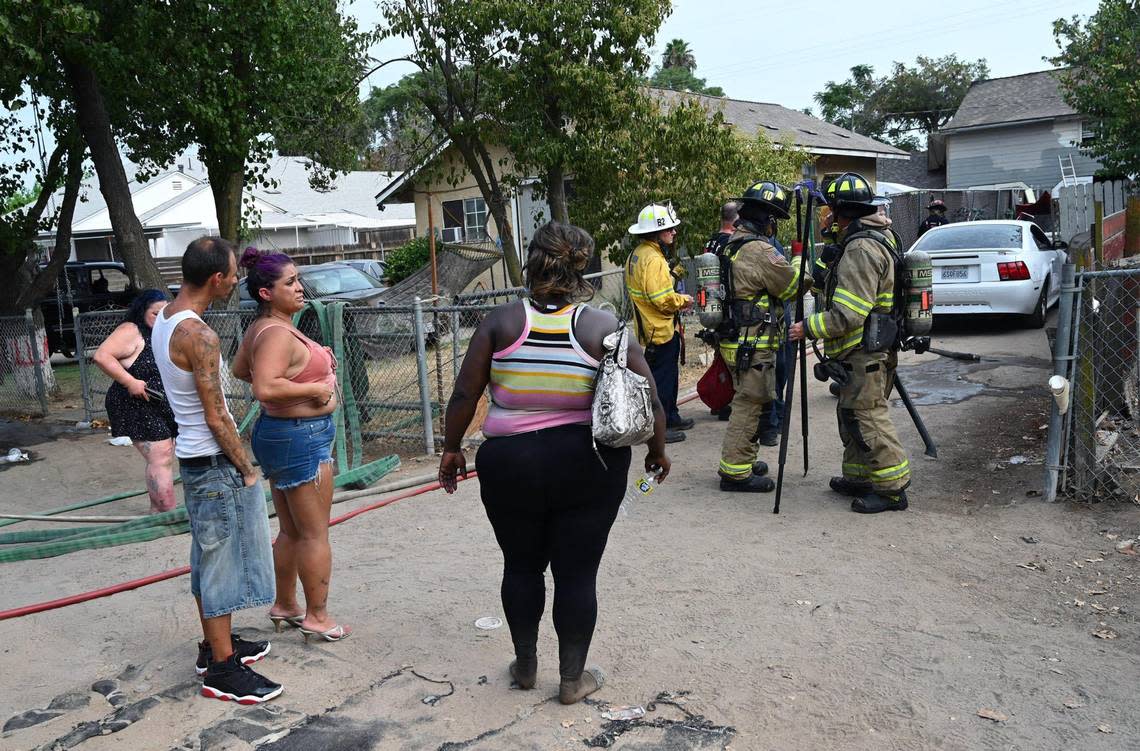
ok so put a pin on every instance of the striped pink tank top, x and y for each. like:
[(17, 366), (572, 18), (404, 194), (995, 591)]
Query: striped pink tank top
[(544, 379)]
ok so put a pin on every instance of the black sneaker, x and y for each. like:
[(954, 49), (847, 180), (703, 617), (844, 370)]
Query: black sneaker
[(673, 436), (248, 652), (683, 423), (845, 486), (229, 680), (873, 503)]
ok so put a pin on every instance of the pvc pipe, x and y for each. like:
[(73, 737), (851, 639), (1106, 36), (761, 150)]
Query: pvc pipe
[(1061, 359)]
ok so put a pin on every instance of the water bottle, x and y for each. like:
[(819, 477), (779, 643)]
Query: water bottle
[(641, 487)]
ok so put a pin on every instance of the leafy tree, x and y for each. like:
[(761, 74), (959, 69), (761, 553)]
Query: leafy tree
[(241, 79), (850, 104), (680, 153), (20, 198), (678, 55), (1102, 80), (400, 129), (64, 67), (682, 79), (678, 71), (534, 78), (891, 108), (926, 96)]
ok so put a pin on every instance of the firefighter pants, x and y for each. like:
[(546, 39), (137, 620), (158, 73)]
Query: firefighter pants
[(755, 388), (871, 448)]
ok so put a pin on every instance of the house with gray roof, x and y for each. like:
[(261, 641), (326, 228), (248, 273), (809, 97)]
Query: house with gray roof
[(1015, 130)]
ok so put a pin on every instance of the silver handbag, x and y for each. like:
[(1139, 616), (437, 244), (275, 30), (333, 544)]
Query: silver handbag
[(622, 412)]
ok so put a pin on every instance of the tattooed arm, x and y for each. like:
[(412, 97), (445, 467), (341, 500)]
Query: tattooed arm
[(198, 346)]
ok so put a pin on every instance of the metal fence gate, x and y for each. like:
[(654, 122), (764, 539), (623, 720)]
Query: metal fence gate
[(1095, 444)]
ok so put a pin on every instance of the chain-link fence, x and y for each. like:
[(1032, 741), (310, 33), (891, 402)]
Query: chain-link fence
[(24, 379), (908, 210), (93, 328), (1101, 453)]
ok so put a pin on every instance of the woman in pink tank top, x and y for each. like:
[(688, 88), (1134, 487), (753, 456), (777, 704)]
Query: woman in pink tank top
[(294, 379)]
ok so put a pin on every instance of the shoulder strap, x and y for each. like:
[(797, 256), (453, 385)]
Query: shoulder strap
[(265, 328)]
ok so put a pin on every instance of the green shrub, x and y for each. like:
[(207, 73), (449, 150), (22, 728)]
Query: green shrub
[(407, 259)]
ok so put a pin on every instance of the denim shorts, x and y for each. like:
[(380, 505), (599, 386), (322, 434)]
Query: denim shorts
[(231, 553), (291, 450)]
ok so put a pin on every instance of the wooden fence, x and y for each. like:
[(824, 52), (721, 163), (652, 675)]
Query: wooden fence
[(1075, 205)]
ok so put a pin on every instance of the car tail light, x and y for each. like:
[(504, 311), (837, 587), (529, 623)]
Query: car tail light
[(1013, 272)]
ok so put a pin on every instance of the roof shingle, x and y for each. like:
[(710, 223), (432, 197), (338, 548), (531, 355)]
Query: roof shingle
[(1013, 99)]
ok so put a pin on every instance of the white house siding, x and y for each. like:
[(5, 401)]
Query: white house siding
[(1018, 153)]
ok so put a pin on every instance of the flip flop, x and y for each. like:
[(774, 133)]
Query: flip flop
[(336, 633)]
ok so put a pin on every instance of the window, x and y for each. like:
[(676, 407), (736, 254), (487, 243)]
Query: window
[(465, 219), (969, 236), (1088, 133)]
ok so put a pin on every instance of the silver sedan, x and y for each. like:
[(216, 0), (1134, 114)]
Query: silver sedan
[(1001, 266)]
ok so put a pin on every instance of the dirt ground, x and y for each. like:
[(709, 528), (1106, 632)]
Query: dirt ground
[(733, 627)]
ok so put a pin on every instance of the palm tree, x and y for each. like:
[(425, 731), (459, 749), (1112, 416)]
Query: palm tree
[(678, 55)]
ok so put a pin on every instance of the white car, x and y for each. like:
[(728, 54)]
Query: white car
[(1000, 266)]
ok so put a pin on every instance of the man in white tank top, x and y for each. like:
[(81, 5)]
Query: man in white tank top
[(231, 558)]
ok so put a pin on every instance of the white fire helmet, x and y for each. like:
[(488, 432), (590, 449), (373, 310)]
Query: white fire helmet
[(654, 218)]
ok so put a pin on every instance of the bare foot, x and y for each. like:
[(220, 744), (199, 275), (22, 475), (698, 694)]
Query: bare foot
[(524, 672), (572, 692)]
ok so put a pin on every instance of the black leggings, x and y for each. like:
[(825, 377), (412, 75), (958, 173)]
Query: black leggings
[(550, 501)]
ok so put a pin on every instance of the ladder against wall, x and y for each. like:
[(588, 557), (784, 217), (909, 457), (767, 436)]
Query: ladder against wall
[(1068, 171)]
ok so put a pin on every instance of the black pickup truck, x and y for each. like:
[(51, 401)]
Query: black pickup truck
[(86, 286)]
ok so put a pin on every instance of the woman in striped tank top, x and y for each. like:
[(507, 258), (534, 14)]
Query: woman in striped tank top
[(548, 497)]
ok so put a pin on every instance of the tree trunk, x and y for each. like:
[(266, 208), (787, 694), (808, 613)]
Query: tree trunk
[(95, 125), (481, 166), (227, 184), (556, 194), (42, 282)]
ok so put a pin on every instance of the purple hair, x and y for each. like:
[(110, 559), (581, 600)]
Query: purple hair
[(262, 270)]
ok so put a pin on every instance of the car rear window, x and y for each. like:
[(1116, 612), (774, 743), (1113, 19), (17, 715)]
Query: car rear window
[(338, 279), (971, 237)]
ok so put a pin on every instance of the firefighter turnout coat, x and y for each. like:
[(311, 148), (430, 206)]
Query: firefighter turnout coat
[(861, 282), (650, 285), (764, 277)]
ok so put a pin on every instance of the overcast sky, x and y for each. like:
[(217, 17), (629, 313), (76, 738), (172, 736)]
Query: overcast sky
[(784, 52)]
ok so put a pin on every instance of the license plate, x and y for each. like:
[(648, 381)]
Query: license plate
[(955, 272)]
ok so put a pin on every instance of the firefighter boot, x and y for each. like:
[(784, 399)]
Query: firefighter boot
[(760, 468), (754, 484), (873, 503), (845, 486)]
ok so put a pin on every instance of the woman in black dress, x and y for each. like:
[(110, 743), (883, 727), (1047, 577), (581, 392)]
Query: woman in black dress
[(135, 404)]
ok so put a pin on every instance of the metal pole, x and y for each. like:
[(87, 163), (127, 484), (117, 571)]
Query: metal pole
[(81, 356), (431, 247), (1061, 359), (455, 346), (41, 388), (421, 367)]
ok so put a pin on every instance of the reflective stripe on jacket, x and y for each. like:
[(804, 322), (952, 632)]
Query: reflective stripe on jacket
[(862, 282), (650, 287), (759, 273)]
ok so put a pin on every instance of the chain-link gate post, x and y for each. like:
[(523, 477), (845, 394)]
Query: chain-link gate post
[(454, 348), (37, 363), (422, 370), (1061, 358), (81, 357)]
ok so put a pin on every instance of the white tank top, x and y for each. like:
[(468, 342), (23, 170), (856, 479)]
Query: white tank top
[(194, 436)]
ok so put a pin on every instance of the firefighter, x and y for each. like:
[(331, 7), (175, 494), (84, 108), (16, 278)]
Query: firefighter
[(761, 280), (861, 283), (936, 217), (657, 307)]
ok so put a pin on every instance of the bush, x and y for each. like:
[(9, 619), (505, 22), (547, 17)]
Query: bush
[(407, 259)]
